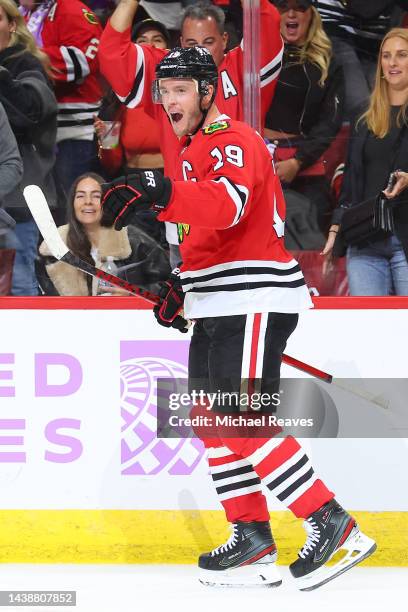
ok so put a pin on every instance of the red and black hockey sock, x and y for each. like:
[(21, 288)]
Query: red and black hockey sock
[(286, 470), (237, 485)]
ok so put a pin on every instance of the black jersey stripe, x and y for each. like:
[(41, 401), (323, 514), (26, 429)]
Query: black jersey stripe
[(294, 468), (292, 488), (245, 469), (243, 286), (74, 110), (270, 72), (240, 199), (78, 74), (136, 85), (240, 271)]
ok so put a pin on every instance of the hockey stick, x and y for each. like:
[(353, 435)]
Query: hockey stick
[(39, 208), (337, 382)]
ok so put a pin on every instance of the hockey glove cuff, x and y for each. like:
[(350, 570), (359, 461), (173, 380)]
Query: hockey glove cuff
[(168, 313), (126, 196)]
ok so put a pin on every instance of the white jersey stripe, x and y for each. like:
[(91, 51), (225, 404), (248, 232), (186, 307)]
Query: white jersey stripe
[(284, 466), (263, 451), (238, 492), (261, 346), (244, 301), (246, 352), (69, 64), (238, 194), (219, 452), (75, 116), (300, 491), (271, 71), (225, 467), (78, 105), (139, 76)]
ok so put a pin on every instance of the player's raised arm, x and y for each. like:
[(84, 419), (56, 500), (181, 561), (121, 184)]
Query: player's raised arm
[(271, 52), (128, 67), (124, 14)]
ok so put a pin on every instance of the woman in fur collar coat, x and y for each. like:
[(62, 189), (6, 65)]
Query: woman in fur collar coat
[(138, 258)]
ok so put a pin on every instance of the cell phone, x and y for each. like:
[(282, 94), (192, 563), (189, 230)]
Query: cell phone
[(391, 181)]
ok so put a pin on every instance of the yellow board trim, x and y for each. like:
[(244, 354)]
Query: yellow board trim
[(165, 536)]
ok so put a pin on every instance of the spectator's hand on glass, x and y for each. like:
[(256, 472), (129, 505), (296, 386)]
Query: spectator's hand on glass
[(401, 183), (328, 249), (287, 170)]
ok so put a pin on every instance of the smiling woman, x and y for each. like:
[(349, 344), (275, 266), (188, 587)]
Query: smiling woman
[(137, 257), (377, 263)]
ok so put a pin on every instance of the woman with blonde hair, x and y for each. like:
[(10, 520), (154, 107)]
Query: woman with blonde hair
[(377, 263), (306, 112), (19, 34), (30, 104)]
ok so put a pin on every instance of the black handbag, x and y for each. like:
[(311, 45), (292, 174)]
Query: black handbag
[(367, 222)]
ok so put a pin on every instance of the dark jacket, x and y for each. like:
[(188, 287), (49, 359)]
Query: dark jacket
[(31, 108), (352, 191), (139, 259), (363, 23), (11, 167), (368, 9), (319, 117)]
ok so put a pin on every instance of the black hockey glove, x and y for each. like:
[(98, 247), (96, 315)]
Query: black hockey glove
[(124, 197), (167, 314)]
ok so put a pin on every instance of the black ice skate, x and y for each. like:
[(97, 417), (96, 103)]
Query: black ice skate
[(330, 529), (246, 559)]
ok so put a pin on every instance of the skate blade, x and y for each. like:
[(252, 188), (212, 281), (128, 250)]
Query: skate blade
[(359, 547), (254, 575)]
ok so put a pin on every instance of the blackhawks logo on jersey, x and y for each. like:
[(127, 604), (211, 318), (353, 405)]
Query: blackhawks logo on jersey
[(90, 17), (183, 229), (216, 127)]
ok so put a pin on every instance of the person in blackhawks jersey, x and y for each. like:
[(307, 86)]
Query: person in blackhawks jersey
[(244, 291), (129, 68), (69, 32)]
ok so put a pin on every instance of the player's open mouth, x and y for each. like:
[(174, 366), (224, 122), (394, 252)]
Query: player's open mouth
[(176, 117)]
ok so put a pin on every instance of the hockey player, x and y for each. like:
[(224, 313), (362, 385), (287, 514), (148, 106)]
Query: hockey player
[(244, 290), (129, 68)]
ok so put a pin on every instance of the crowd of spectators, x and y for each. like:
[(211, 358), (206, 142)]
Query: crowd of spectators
[(76, 110)]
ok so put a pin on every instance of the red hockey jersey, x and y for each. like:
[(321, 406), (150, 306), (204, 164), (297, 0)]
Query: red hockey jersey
[(229, 205), (130, 69), (70, 35)]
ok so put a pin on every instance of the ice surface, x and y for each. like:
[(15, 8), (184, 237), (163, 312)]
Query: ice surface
[(151, 588)]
